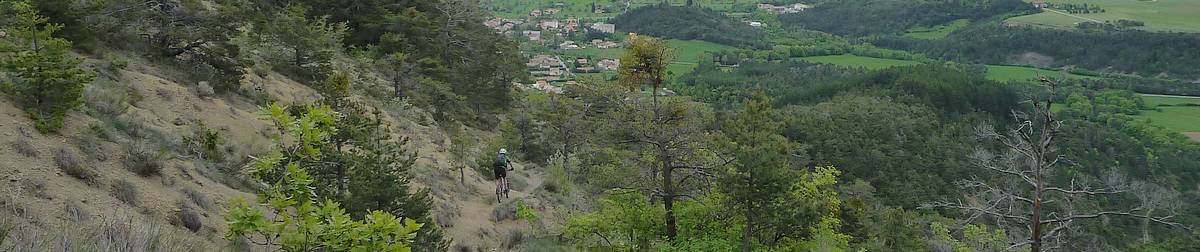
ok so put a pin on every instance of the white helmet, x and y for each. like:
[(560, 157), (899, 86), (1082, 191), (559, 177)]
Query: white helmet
[(503, 151)]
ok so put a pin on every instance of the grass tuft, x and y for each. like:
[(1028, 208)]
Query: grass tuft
[(71, 164), (143, 159), (26, 148), (125, 191)]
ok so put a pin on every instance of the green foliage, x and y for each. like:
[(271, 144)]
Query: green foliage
[(689, 23), (46, 79), (299, 222), (205, 143), (865, 17), (644, 64), (528, 214), (309, 43), (975, 238)]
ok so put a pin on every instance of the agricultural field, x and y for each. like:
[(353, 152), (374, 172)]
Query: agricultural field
[(1159, 15), (687, 53), (1177, 113), (937, 32)]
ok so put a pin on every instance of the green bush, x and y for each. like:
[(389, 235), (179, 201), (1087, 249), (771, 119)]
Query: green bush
[(46, 79), (125, 191)]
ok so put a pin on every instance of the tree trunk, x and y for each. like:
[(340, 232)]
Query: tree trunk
[(748, 233), (1146, 226), (668, 196)]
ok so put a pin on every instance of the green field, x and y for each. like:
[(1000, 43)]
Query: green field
[(1171, 114), (1159, 15), (687, 53), (937, 32), (998, 73), (859, 61)]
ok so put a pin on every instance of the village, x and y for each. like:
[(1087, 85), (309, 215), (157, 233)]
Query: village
[(548, 40)]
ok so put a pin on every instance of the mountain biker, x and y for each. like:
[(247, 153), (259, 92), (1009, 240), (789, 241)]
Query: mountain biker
[(500, 168)]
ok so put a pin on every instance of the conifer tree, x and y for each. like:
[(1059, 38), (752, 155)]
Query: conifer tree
[(46, 79)]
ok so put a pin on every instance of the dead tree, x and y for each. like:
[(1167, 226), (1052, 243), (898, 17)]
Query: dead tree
[(1022, 197)]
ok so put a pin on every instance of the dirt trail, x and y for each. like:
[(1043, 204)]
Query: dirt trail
[(474, 225)]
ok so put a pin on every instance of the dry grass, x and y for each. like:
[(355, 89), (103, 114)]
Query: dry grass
[(108, 98), (143, 159), (124, 232), (71, 164), (125, 191), (24, 147), (75, 211), (197, 197)]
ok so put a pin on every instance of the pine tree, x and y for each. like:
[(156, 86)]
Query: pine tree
[(760, 175), (46, 79)]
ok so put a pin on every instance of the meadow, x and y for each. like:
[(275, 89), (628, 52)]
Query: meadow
[(1173, 112), (686, 53), (937, 32), (998, 73), (1159, 15)]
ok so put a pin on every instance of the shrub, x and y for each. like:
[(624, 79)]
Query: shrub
[(204, 143), (197, 197), (204, 90), (189, 218), (92, 146), (71, 164), (26, 149), (75, 211), (143, 159), (107, 98), (125, 191)]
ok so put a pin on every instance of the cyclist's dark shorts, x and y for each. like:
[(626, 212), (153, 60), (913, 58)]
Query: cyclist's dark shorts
[(499, 172)]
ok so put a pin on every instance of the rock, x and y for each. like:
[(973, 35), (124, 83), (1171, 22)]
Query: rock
[(179, 121)]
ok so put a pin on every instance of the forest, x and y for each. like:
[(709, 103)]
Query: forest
[(1120, 51), (868, 17), (691, 23)]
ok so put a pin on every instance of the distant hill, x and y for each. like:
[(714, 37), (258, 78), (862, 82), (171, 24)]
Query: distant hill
[(691, 23)]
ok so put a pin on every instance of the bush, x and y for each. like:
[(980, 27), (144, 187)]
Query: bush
[(108, 98), (125, 191), (141, 158), (92, 146), (189, 218), (204, 90), (75, 211), (71, 164), (26, 149), (197, 197)]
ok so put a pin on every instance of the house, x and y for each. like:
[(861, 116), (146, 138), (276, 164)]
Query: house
[(533, 35), (569, 45), (755, 24), (549, 24), (795, 8), (585, 69), (605, 28), (551, 11), (608, 64), (581, 61), (602, 44), (535, 13), (542, 61)]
